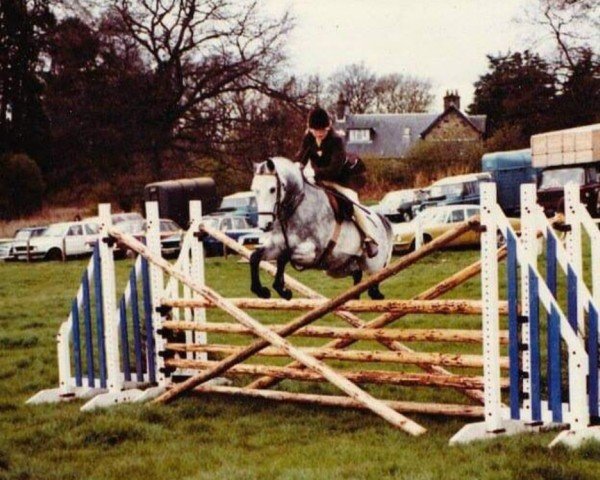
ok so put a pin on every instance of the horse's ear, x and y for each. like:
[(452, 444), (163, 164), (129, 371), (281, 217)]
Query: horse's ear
[(257, 168), (270, 165)]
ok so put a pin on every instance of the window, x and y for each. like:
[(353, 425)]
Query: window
[(91, 228), (457, 216), (362, 135), (168, 226), (560, 177), (75, 230), (472, 211), (226, 224), (239, 223)]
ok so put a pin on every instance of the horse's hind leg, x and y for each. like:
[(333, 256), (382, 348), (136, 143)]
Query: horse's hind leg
[(279, 283), (357, 276), (375, 293), (255, 286)]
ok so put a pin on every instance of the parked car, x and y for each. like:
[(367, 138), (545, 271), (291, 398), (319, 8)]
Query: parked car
[(434, 222), (118, 218), (240, 204), (59, 240), (170, 236), (456, 190), (399, 205), (252, 240), (233, 227), (22, 234)]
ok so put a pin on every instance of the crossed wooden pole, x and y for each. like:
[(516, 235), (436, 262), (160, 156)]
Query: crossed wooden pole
[(277, 338)]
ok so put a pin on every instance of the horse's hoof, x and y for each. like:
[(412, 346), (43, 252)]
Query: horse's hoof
[(286, 294), (262, 292), (376, 295), (283, 292)]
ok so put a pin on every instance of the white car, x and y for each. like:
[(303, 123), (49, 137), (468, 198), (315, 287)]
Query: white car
[(22, 234), (59, 240), (398, 205)]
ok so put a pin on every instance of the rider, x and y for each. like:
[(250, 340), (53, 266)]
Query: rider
[(327, 155)]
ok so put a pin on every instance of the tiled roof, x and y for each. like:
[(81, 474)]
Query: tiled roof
[(389, 139)]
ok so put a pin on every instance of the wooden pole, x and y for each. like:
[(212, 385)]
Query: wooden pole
[(267, 337), (434, 292), (446, 409), (415, 358), (301, 321), (378, 377), (436, 307), (406, 335)]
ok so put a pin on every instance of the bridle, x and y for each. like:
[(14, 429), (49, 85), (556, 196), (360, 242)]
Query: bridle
[(283, 210)]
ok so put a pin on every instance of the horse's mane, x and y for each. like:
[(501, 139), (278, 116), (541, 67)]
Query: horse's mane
[(287, 171)]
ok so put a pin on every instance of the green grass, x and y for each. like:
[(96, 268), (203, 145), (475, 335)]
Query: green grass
[(215, 437)]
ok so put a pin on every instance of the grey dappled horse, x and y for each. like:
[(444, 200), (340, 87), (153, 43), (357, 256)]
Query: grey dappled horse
[(300, 226)]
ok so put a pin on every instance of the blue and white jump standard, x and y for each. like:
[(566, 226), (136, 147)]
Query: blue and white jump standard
[(114, 341), (532, 408)]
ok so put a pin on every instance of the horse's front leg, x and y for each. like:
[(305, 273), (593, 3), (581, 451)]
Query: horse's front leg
[(357, 276), (375, 293), (255, 286), (279, 283)]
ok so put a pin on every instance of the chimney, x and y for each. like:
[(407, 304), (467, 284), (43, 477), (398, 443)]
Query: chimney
[(341, 109), (452, 98)]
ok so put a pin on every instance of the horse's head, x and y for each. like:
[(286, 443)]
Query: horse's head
[(277, 183)]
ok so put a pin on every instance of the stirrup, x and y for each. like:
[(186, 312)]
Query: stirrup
[(371, 248)]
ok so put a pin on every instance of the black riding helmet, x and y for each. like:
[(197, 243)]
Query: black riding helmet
[(318, 118)]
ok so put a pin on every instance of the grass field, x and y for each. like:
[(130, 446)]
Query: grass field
[(213, 437)]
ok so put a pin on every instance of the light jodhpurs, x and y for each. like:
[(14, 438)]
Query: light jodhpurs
[(360, 216)]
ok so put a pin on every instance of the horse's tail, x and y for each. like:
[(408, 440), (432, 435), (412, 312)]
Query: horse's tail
[(390, 237)]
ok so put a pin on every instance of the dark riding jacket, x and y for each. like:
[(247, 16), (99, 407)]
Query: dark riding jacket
[(330, 161)]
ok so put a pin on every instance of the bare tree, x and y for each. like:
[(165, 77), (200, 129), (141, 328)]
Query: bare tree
[(199, 52), (395, 93), (574, 26), (357, 83)]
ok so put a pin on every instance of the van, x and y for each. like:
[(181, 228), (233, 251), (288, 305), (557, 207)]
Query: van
[(553, 180), (510, 170), (568, 156)]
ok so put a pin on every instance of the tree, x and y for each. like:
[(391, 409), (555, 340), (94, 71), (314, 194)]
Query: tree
[(23, 25), (396, 93), (579, 101), (21, 186), (574, 27), (96, 100), (429, 161), (357, 83), (507, 137), (365, 92), (199, 52), (519, 90)]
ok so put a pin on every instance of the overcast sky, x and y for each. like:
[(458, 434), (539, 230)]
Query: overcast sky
[(445, 41)]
